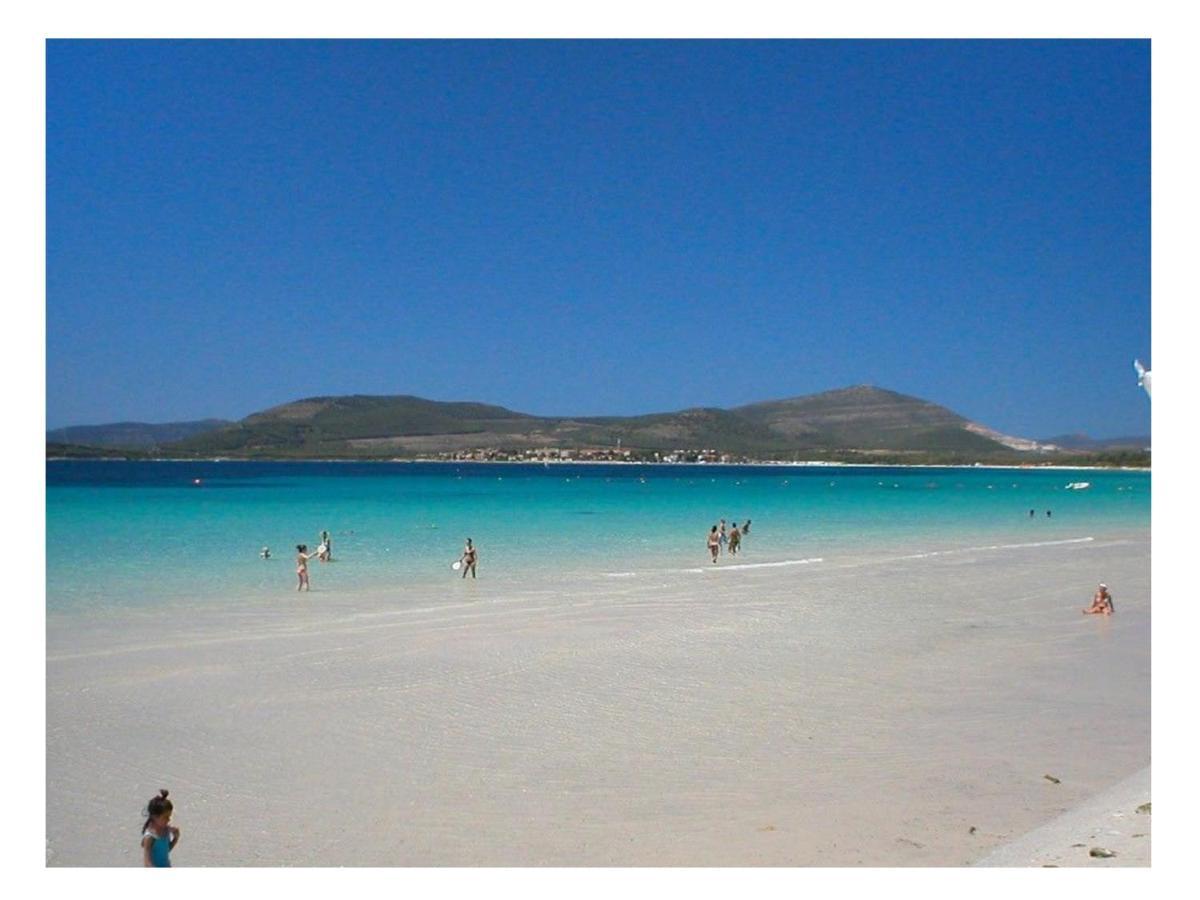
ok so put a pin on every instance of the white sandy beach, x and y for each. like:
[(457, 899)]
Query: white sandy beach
[(873, 710), (1110, 829)]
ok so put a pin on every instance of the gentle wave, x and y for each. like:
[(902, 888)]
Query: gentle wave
[(819, 559), (1082, 540), (766, 565)]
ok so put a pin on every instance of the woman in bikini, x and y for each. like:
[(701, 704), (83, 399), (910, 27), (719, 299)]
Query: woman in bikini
[(469, 558), (1102, 602), (302, 558)]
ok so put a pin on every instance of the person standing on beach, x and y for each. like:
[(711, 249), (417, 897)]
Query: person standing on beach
[(159, 836), (302, 558), (724, 538), (468, 559), (714, 543), (735, 539)]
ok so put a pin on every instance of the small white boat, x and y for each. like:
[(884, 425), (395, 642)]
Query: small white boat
[(1079, 485)]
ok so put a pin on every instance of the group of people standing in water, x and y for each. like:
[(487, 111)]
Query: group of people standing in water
[(722, 540), (324, 553)]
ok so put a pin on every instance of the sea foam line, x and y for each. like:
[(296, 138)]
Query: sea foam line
[(766, 565), (888, 559), (1082, 540)]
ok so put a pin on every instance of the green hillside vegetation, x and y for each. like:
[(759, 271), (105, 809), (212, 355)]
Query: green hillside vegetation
[(857, 424), (851, 419), (717, 429), (57, 450), (131, 435), (354, 426), (868, 418)]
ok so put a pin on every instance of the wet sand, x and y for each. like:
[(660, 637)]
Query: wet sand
[(886, 710)]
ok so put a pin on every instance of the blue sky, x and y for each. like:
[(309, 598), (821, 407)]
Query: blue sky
[(594, 227)]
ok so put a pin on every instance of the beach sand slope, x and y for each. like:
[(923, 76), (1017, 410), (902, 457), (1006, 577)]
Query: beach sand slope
[(870, 709), (1115, 822)]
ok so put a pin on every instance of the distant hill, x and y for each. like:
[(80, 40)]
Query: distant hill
[(132, 435), (861, 423), (868, 418), (860, 419), (364, 426)]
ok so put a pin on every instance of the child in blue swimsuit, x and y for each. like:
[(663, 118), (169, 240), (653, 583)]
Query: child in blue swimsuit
[(159, 837)]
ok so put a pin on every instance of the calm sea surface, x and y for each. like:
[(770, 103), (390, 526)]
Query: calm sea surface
[(135, 534)]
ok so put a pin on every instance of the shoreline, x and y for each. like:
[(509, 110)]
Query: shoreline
[(590, 462), (349, 586)]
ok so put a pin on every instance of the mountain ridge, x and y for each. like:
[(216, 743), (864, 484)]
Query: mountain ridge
[(860, 419)]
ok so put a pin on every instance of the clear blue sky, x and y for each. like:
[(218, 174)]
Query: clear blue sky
[(593, 227)]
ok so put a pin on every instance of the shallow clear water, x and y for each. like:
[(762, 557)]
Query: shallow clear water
[(129, 534)]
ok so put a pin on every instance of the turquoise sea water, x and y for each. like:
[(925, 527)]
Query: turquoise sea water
[(132, 534)]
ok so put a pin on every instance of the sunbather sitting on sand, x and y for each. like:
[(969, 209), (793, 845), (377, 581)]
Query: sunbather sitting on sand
[(1102, 602)]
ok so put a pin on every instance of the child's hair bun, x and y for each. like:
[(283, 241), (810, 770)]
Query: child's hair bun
[(163, 793)]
